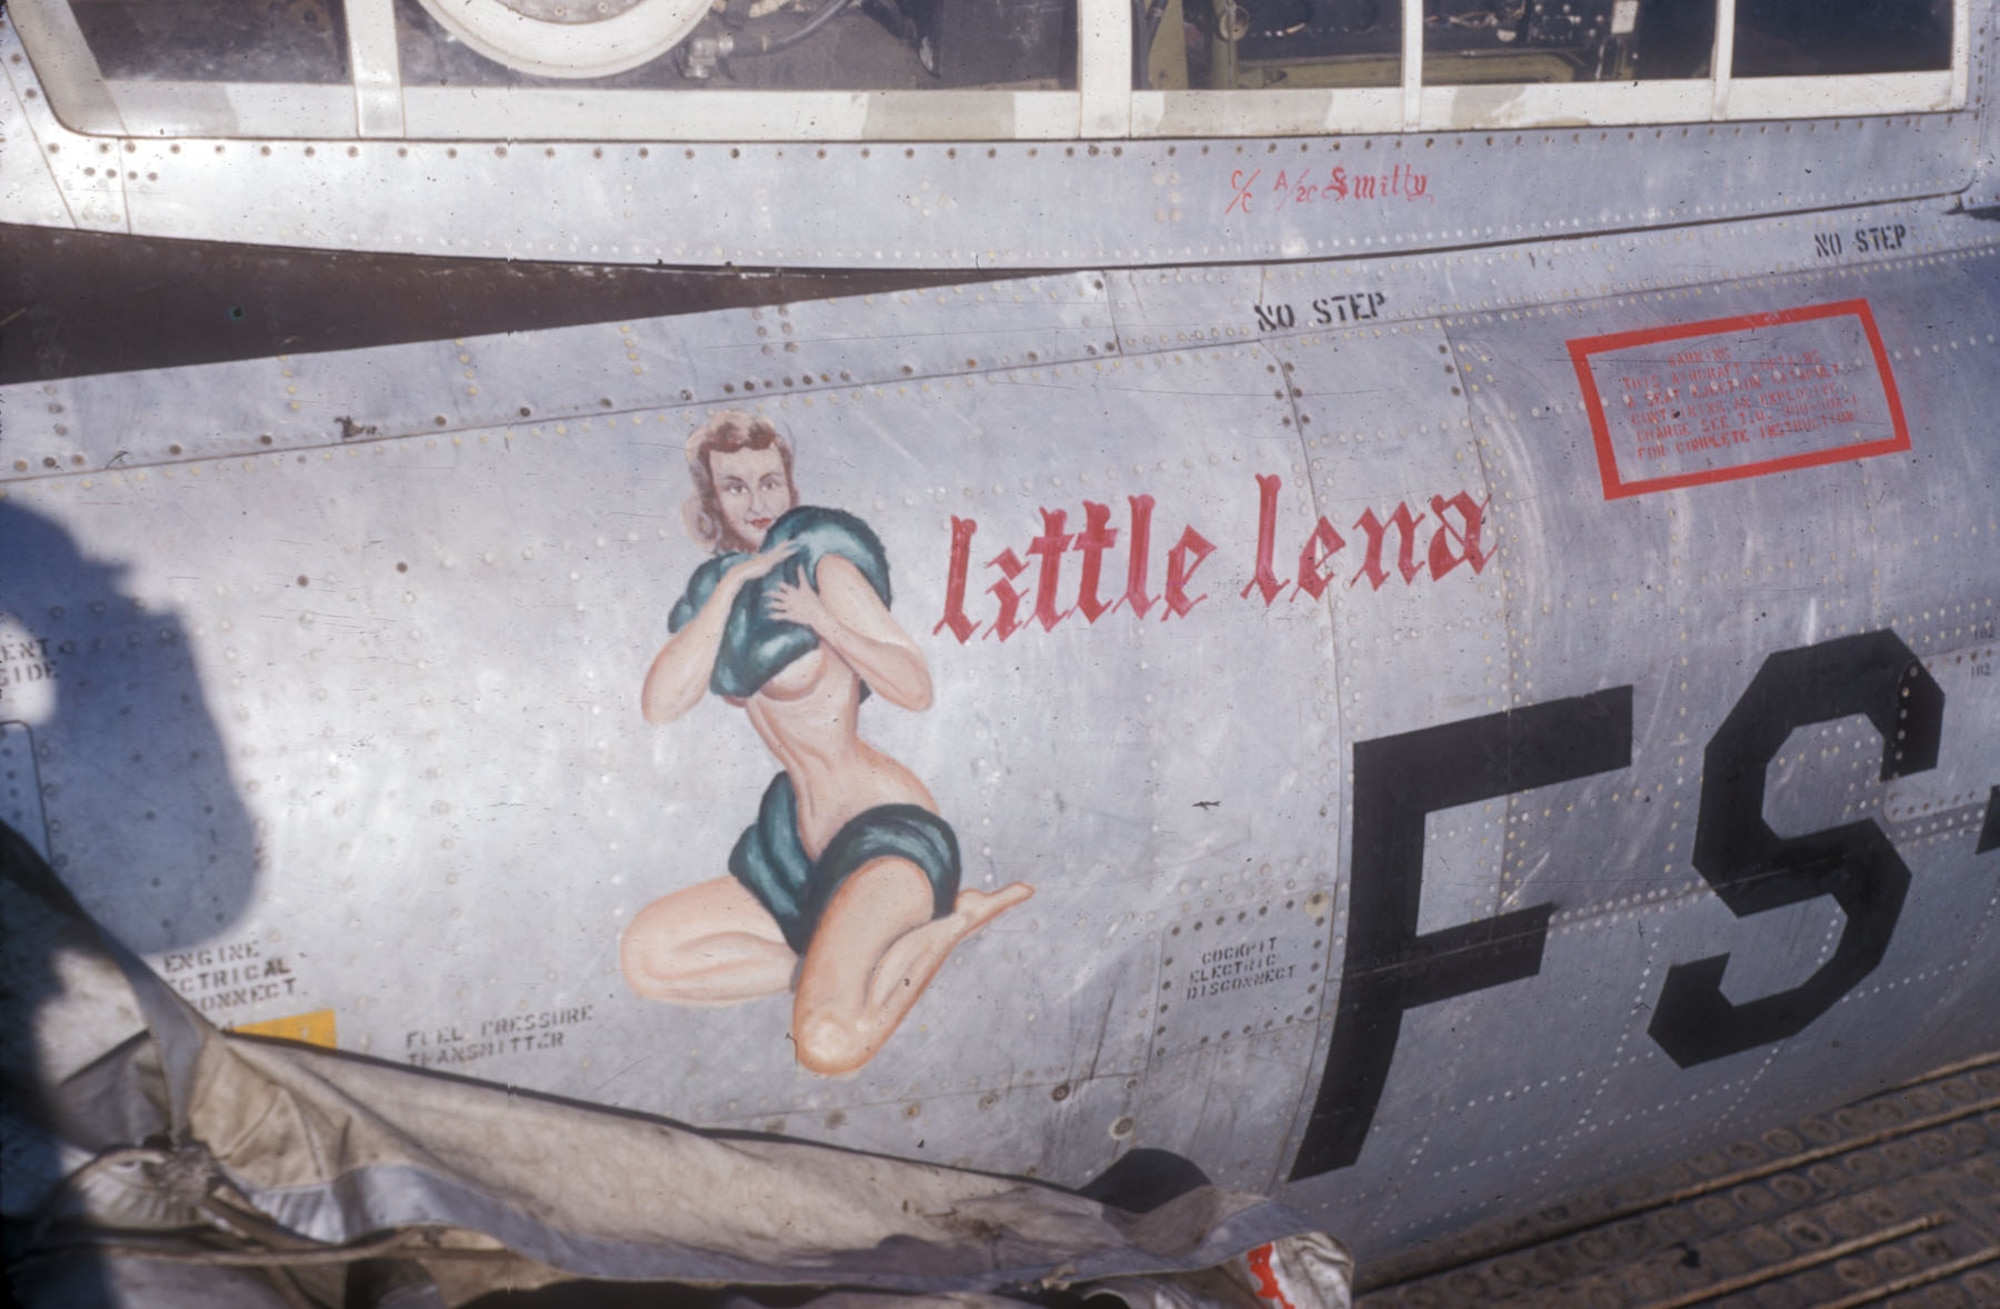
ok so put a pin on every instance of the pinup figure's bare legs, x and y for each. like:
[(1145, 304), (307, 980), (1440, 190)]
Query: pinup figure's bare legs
[(876, 949), (711, 943)]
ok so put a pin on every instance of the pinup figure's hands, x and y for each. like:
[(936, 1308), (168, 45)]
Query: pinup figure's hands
[(795, 602), (749, 569), (681, 671)]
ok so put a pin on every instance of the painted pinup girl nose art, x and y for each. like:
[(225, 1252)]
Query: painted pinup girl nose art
[(845, 890)]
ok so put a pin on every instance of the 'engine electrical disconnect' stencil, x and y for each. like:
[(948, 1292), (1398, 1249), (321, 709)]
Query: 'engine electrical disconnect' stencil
[(1738, 397)]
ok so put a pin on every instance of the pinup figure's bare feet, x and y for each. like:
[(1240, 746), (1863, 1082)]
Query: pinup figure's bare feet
[(876, 950), (979, 908)]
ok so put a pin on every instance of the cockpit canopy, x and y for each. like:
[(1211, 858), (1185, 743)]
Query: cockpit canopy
[(974, 70)]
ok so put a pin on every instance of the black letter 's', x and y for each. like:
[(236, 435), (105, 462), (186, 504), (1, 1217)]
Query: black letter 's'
[(1753, 869)]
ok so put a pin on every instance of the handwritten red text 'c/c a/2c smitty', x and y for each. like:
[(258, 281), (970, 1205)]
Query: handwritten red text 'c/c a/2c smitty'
[(1455, 525), (1252, 192)]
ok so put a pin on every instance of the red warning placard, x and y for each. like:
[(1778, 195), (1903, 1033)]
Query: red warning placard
[(1738, 397)]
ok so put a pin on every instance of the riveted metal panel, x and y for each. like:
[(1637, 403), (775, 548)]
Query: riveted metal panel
[(987, 205), (89, 172), (380, 686), (20, 782), (28, 190), (1806, 550)]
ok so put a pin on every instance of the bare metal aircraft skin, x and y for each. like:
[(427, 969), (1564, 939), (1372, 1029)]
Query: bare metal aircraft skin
[(1423, 758), (385, 149), (1494, 690)]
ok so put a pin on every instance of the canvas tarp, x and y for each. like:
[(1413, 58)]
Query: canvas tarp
[(136, 1128)]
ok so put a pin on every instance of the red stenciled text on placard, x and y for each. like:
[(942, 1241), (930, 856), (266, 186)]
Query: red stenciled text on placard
[(1707, 399)]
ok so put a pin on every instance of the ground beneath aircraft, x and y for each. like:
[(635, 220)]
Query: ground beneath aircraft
[(1893, 1200)]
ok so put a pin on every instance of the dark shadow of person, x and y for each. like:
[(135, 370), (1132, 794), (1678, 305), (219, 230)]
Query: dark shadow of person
[(113, 772)]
